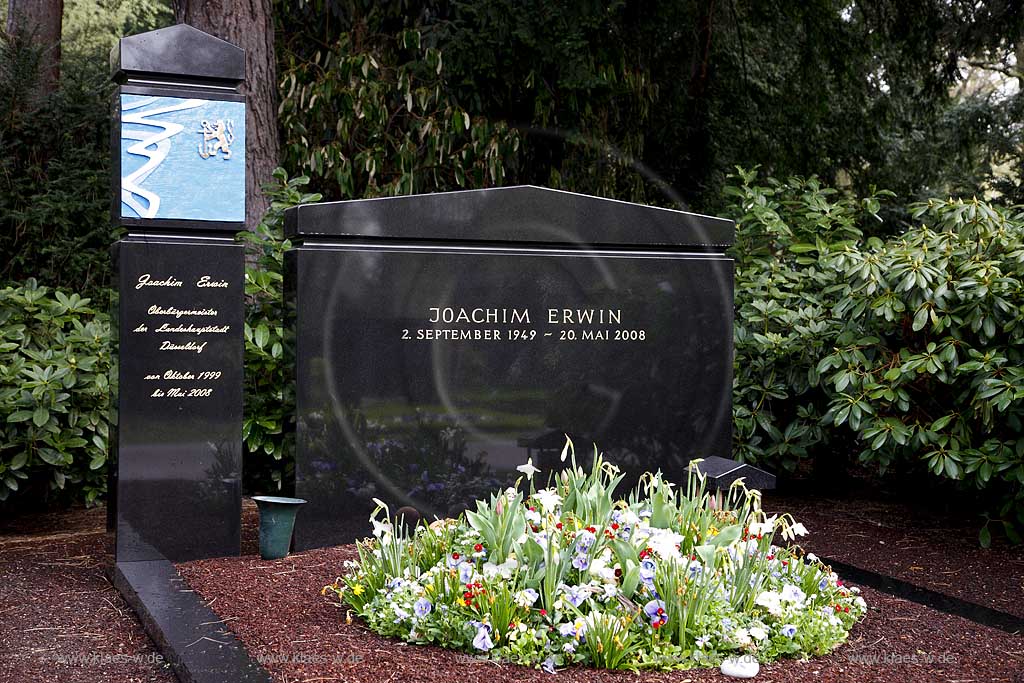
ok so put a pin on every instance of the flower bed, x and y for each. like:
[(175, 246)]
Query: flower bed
[(567, 574)]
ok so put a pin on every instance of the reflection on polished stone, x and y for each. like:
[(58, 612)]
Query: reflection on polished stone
[(430, 363)]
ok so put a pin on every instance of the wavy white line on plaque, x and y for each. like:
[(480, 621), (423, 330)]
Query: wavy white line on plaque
[(161, 148)]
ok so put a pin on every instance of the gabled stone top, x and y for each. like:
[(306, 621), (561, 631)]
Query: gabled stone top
[(519, 216), (179, 53), (722, 472)]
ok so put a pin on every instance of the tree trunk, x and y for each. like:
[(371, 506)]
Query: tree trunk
[(39, 21), (249, 25)]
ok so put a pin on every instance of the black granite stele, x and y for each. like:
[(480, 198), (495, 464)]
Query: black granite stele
[(180, 301), (175, 492), (441, 340), (179, 398)]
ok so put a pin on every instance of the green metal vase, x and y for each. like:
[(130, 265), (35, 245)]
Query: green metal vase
[(277, 521)]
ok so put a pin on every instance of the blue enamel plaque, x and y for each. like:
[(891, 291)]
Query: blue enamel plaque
[(182, 158)]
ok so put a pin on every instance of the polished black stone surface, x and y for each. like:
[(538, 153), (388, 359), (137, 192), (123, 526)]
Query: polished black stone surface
[(177, 51), (722, 472), (190, 636), (425, 373), (523, 215), (179, 349)]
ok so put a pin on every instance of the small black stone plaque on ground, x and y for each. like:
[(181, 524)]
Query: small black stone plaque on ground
[(441, 340), (722, 472), (179, 398)]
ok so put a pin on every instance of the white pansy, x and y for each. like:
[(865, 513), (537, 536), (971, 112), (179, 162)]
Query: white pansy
[(793, 594), (629, 518), (600, 568), (533, 517), (665, 543), (758, 633), (507, 568), (771, 601), (742, 636), (526, 598)]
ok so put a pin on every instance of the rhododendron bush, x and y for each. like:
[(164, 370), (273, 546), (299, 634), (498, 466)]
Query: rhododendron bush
[(669, 577)]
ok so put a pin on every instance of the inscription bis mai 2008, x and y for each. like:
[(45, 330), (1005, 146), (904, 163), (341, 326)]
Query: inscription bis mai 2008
[(523, 324), (181, 338)]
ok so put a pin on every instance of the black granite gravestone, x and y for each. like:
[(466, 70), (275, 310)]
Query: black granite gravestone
[(441, 340), (178, 146)]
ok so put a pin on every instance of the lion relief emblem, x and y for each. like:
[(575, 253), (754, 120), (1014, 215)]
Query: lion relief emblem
[(217, 138)]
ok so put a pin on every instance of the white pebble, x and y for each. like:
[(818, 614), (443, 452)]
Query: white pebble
[(740, 667)]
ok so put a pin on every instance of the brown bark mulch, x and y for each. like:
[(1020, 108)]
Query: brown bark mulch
[(904, 542), (61, 620), (56, 602), (276, 610)]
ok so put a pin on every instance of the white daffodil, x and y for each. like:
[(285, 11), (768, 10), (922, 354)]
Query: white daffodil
[(549, 500), (567, 448), (528, 469), (381, 530), (765, 527), (794, 530)]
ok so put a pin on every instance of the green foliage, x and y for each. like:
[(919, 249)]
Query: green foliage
[(927, 366), (268, 404), (54, 170), (784, 323), (657, 103), (910, 345), (54, 395), (373, 116), (54, 182), (576, 79)]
